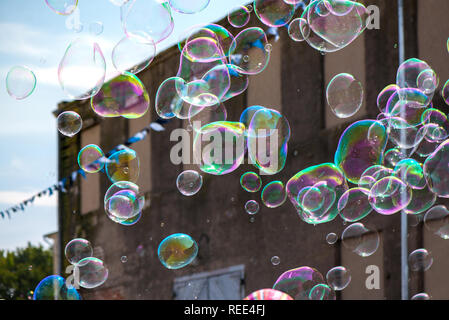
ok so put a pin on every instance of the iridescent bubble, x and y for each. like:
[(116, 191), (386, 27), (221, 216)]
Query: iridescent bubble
[(216, 157), (252, 207), (124, 259), (338, 278), (390, 195), (147, 20), (239, 17), (268, 135), (360, 239), (189, 7), (78, 249), (322, 292), (251, 181), (393, 156), (373, 174), (344, 95), (132, 55), (445, 92), (82, 70), (62, 7), (248, 51), (298, 282), (420, 260), (275, 260), (411, 172), (168, 103), (125, 96), (436, 170), (274, 194), (54, 288), (437, 221), (331, 238), (327, 22), (92, 272), (314, 192), (416, 73), (123, 165), (69, 123), (123, 202), (268, 294), (96, 28), (436, 123), (177, 251), (273, 13), (357, 151), (420, 296), (298, 29), (422, 200), (20, 82), (89, 158), (189, 182), (354, 205), (384, 96)]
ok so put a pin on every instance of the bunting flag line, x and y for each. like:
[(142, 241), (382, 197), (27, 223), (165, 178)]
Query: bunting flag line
[(61, 185)]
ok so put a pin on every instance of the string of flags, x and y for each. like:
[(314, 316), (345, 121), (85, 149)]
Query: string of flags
[(68, 181)]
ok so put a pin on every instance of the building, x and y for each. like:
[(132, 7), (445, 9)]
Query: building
[(234, 253)]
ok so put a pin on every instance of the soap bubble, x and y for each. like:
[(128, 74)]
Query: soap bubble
[(20, 82), (239, 17), (92, 272), (338, 278), (189, 182), (421, 296), (146, 20), (298, 282), (298, 29), (273, 194), (273, 13), (354, 205), (125, 96), (54, 288), (177, 251), (275, 260), (360, 239), (420, 260), (89, 158), (268, 294), (123, 165), (436, 220), (62, 7), (132, 55), (82, 70), (390, 195), (188, 7), (344, 95), (331, 238), (252, 207), (123, 202), (69, 123), (322, 292), (78, 249), (251, 181)]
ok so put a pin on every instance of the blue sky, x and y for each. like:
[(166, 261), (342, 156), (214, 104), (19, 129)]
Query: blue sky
[(35, 36)]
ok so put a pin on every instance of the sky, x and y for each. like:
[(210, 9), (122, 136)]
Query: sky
[(33, 35)]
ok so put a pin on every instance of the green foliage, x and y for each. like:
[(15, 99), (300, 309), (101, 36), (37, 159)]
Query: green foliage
[(22, 270)]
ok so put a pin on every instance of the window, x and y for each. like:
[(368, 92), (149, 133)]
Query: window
[(223, 284)]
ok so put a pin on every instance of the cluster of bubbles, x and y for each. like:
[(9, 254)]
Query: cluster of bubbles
[(396, 162), (89, 272)]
